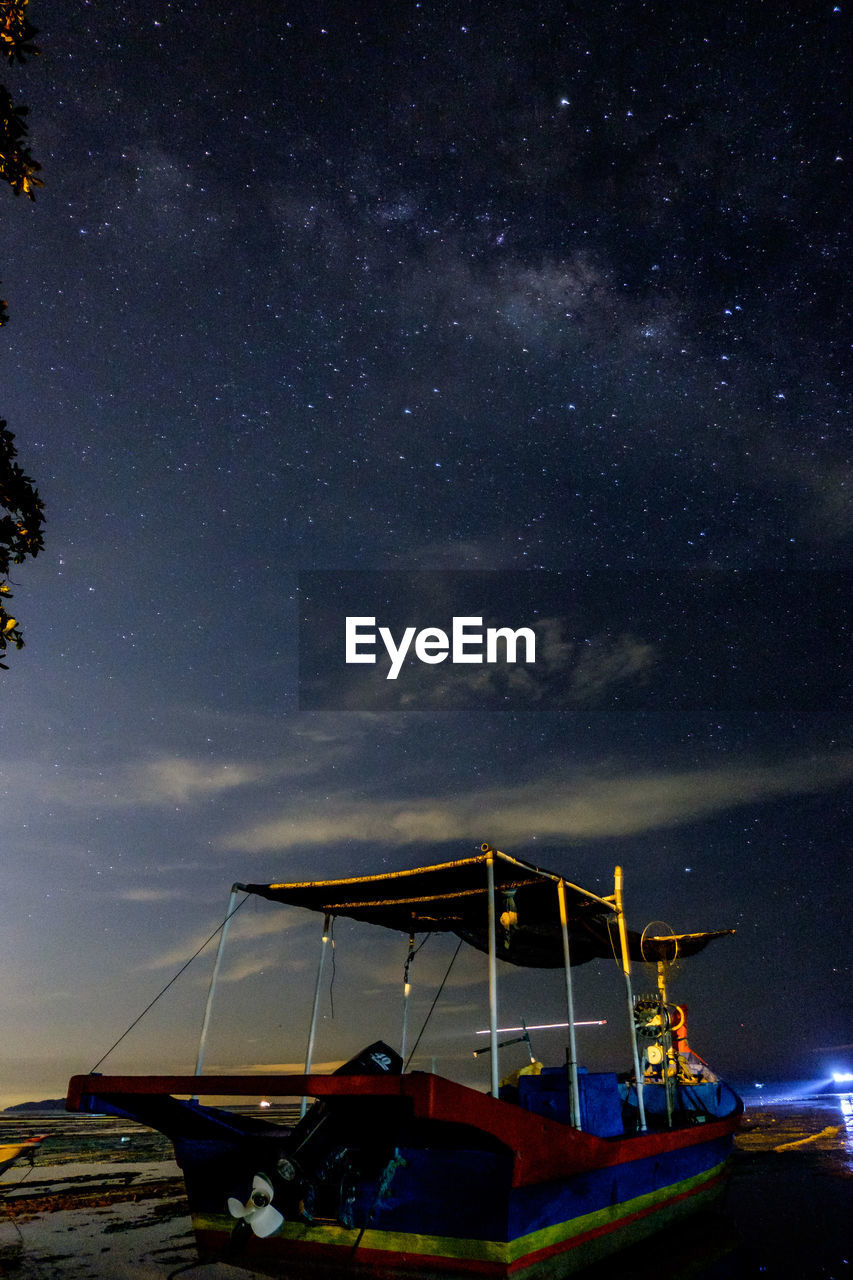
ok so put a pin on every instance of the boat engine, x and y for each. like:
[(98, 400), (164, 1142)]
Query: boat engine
[(337, 1140)]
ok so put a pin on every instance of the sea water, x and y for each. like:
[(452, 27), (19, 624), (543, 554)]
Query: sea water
[(787, 1211)]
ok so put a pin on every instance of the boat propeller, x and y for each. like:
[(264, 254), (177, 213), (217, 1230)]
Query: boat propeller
[(258, 1212)]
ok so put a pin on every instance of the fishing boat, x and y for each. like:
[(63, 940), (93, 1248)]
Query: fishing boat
[(403, 1174), (12, 1151)]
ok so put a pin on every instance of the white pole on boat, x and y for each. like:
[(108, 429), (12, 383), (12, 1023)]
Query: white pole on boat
[(407, 987), (670, 1062), (626, 969), (309, 1053), (493, 973), (570, 1007), (208, 1008)]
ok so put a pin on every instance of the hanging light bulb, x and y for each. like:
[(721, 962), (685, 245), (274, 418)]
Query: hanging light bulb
[(509, 915)]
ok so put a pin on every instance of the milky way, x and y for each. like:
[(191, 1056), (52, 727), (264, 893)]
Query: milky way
[(539, 288)]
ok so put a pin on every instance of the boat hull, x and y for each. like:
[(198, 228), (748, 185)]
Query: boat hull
[(416, 1176), (567, 1245)]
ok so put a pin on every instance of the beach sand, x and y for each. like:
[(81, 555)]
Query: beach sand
[(125, 1221), (103, 1200)]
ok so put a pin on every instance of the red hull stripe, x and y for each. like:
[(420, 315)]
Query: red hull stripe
[(543, 1149)]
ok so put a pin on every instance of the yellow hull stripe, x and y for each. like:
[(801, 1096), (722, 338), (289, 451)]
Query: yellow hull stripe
[(497, 1251)]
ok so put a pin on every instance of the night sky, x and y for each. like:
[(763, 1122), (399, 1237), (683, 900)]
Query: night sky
[(427, 288)]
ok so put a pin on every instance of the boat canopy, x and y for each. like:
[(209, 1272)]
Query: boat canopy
[(452, 897)]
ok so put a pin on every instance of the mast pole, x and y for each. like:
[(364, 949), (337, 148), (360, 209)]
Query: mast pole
[(407, 987), (626, 969), (570, 1008), (309, 1053), (208, 1008), (493, 974)]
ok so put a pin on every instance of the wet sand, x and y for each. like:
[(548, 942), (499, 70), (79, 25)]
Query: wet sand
[(104, 1200)]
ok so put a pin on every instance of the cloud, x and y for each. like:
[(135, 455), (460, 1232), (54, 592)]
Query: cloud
[(610, 661), (167, 779), (149, 895), (829, 515), (180, 779), (568, 673), (243, 929), (586, 808)]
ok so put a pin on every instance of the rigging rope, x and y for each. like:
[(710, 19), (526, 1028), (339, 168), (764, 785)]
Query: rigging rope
[(434, 1003), (334, 970), (170, 983)]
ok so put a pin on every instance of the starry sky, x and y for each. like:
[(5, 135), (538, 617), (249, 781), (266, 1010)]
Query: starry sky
[(523, 294)]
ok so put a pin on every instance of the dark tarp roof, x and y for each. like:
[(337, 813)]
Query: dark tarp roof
[(452, 897)]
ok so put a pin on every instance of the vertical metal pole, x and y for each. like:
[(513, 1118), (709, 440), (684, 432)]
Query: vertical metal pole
[(626, 969), (407, 987), (669, 1062), (309, 1053), (202, 1042), (493, 974), (570, 1007)]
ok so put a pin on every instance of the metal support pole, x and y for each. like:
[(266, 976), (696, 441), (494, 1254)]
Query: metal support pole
[(670, 1060), (626, 969), (493, 974), (407, 987), (570, 1009), (309, 1053), (202, 1042)]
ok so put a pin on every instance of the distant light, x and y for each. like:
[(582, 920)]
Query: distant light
[(264, 1103), (842, 1077)]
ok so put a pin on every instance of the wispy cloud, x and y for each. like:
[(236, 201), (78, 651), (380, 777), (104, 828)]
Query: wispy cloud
[(181, 779), (149, 895), (168, 779), (586, 807), (243, 929), (567, 674)]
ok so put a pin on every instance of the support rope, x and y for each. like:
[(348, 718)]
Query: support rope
[(334, 970), (432, 1006), (170, 983)]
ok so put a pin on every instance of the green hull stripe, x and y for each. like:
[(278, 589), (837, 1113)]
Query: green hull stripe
[(546, 1239)]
